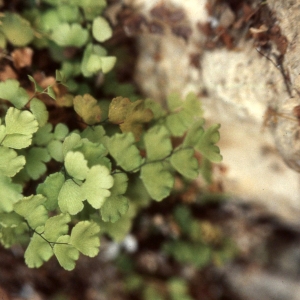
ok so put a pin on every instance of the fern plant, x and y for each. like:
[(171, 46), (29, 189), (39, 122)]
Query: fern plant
[(105, 171)]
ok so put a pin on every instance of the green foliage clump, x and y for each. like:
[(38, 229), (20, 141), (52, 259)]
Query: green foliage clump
[(199, 242), (188, 243), (59, 26), (92, 180), (175, 288)]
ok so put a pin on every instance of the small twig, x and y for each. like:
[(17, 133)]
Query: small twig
[(278, 65), (51, 244)]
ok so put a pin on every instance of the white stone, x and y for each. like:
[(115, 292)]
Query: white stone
[(241, 84)]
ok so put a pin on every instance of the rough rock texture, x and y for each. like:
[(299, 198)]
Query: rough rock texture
[(240, 85)]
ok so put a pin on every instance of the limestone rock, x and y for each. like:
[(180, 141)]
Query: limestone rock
[(240, 85)]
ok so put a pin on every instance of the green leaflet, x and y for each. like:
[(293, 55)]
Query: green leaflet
[(55, 146), (118, 230), (70, 142), (70, 198), (155, 107), (55, 149), (70, 35), (76, 165), (50, 188), (22, 177), (137, 193), (20, 126), (68, 13), (158, 143), (37, 88), (95, 188), (33, 210), (91, 8), (43, 136), (60, 131), (35, 162), (101, 29), (10, 193), (123, 149), (116, 205), (85, 238), (94, 63), (10, 162), (95, 59), (10, 90), (88, 109), (60, 76), (3, 42), (50, 92), (204, 141), (193, 106), (38, 251), (39, 110), (2, 131), (194, 134), (120, 184), (178, 288), (206, 144), (178, 122), (13, 235), (184, 113), (206, 169), (94, 153), (10, 220), (108, 62), (66, 254), (56, 226), (94, 134), (46, 22), (185, 163), (16, 29), (54, 231), (174, 101), (157, 179)]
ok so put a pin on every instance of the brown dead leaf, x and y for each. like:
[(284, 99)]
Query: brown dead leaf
[(42, 80), (3, 294), (87, 108), (118, 109), (129, 115), (136, 116), (65, 100), (22, 57), (7, 73)]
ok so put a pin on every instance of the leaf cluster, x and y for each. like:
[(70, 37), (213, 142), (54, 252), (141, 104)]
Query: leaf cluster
[(104, 173), (59, 26), (174, 288), (198, 243)]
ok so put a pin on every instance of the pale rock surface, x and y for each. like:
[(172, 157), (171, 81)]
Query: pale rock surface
[(240, 85)]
